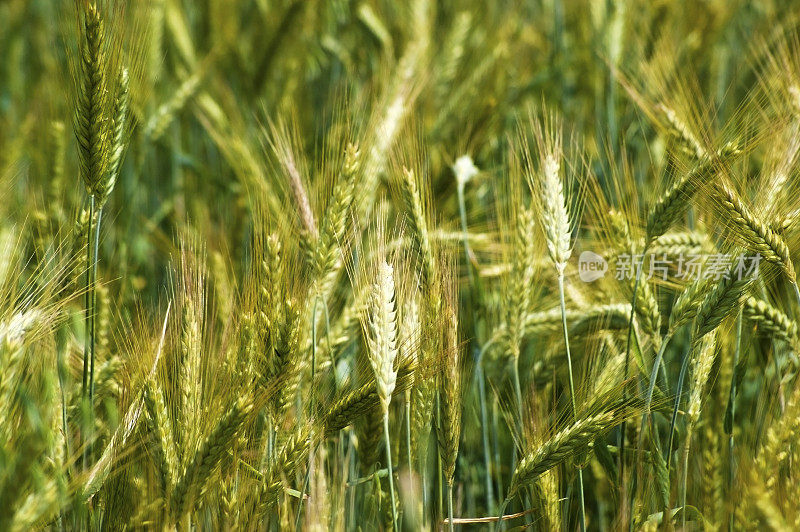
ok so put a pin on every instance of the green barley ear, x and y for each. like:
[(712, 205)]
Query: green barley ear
[(753, 233), (674, 201), (685, 307), (687, 140), (725, 298), (293, 454), (564, 445), (419, 226), (383, 334), (90, 122), (702, 364), (359, 402), (448, 430), (772, 321), (163, 116), (194, 477), (646, 303), (119, 123), (680, 243), (326, 261)]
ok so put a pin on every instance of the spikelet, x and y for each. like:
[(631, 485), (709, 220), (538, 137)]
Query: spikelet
[(293, 454), (685, 307), (646, 303), (117, 144), (675, 200), (610, 317), (448, 430), (681, 243), (212, 450), (419, 226), (326, 260), (163, 116), (548, 190), (702, 362), (383, 334), (91, 127), (357, 403), (518, 293), (725, 298), (678, 128), (754, 234), (772, 321), (565, 444), (160, 444)]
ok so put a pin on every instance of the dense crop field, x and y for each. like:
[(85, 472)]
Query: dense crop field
[(414, 265)]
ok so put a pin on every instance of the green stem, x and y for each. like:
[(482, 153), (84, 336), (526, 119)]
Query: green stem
[(463, 214), (496, 446), (87, 298), (623, 425), (450, 505), (652, 385), (389, 464), (687, 443), (88, 344), (571, 388), (732, 399), (94, 304), (311, 405), (408, 430), (518, 400), (502, 512), (676, 406), (487, 459)]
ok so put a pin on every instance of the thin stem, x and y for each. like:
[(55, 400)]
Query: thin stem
[(571, 386), (623, 425), (87, 298), (676, 406), (500, 515), (518, 400), (389, 464), (87, 345), (463, 214), (408, 430), (487, 459), (686, 445), (311, 405), (732, 399), (450, 505), (94, 303), (496, 447), (652, 385)]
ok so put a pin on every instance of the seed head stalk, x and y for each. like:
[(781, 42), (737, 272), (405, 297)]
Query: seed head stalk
[(732, 399), (391, 471), (571, 386), (623, 426)]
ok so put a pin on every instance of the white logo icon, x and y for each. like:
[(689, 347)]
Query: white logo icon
[(591, 266)]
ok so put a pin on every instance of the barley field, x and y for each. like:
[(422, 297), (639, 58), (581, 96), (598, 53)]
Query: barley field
[(360, 265)]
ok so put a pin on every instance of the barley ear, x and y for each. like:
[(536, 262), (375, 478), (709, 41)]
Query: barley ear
[(90, 121), (382, 339), (449, 427), (119, 123)]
